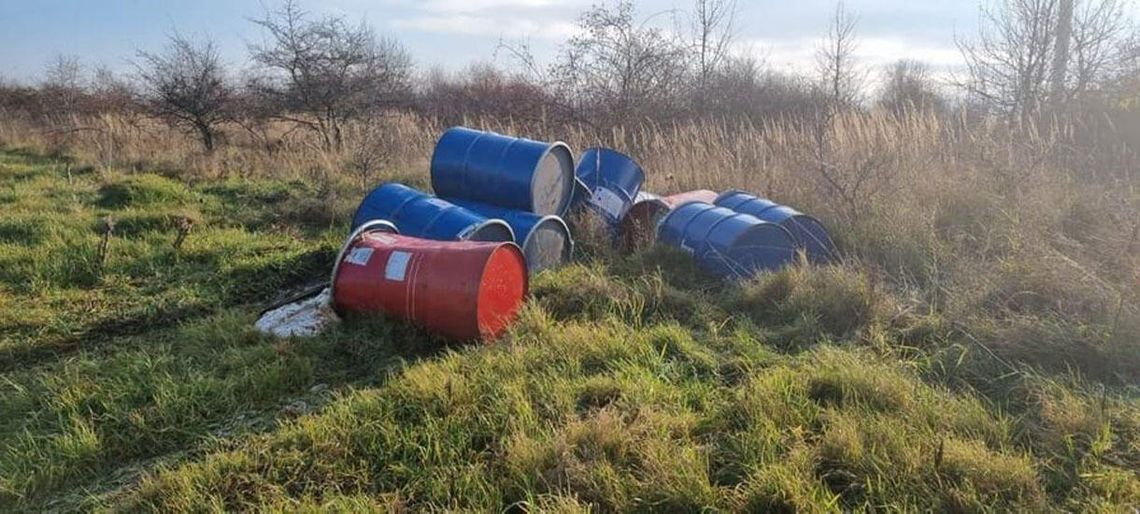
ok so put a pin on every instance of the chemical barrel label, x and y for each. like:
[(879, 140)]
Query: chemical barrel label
[(359, 256), (397, 268), (608, 201)]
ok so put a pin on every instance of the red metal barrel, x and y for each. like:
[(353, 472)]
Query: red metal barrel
[(460, 290), (700, 195)]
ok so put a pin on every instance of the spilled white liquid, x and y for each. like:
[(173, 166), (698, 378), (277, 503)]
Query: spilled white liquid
[(304, 318)]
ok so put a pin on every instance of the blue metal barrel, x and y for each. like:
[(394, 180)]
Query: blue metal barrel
[(726, 243), (545, 240), (510, 172), (418, 214), (811, 236), (613, 180)]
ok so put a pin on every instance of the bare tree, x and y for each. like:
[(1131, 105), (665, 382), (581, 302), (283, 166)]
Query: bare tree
[(619, 68), (1027, 51), (186, 85), (841, 80), (713, 26), (1102, 51), (1061, 50), (63, 84), (481, 90), (745, 89), (111, 93), (322, 73), (371, 147), (841, 77), (908, 87)]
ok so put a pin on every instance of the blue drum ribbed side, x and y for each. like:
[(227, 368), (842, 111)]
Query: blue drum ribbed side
[(613, 180), (744, 203), (726, 243), (545, 240), (810, 234), (417, 214), (671, 231), (511, 172)]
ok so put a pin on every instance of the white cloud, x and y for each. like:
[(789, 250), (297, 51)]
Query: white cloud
[(551, 20), (798, 55), (883, 51), (475, 6), (488, 25)]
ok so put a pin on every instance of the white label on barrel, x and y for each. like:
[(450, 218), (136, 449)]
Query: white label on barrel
[(359, 256), (608, 201), (397, 266)]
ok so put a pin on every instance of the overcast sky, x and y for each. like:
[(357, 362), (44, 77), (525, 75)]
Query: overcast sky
[(452, 33)]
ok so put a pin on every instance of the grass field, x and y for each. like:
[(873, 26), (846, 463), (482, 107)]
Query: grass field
[(950, 363)]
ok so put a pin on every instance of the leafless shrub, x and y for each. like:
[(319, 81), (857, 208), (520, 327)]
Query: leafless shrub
[(742, 90), (186, 85), (112, 94), (482, 90), (909, 87), (63, 86), (371, 148), (620, 69), (322, 73), (841, 79)]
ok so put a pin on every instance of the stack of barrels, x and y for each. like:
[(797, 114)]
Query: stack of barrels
[(458, 262)]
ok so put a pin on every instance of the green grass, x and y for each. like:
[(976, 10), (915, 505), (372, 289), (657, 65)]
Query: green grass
[(133, 381)]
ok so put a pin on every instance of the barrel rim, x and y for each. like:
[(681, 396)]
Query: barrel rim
[(368, 227), (567, 251), (489, 222), (626, 223), (646, 196), (568, 192), (600, 149), (650, 200), (828, 244), (628, 199), (580, 194), (768, 226)]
